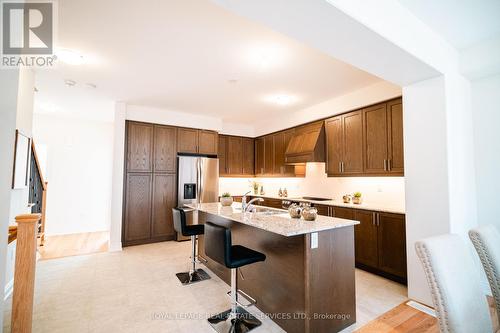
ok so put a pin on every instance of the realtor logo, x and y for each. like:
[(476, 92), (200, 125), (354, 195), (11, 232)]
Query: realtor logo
[(27, 29)]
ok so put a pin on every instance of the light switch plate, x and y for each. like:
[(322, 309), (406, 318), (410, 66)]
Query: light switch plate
[(314, 240)]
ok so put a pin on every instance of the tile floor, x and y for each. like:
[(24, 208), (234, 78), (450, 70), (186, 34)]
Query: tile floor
[(136, 291)]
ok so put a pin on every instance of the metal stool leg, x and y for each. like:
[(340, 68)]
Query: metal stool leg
[(235, 319), (194, 274)]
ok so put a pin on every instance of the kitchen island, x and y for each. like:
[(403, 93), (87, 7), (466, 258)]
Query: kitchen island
[(307, 282)]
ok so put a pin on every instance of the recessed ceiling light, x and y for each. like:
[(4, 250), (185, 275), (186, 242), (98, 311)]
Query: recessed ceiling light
[(69, 83), (70, 57)]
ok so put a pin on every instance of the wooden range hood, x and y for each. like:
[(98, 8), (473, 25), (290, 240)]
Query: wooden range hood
[(307, 144)]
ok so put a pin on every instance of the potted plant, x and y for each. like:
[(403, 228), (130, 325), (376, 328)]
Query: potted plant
[(357, 198), (226, 199), (255, 186)]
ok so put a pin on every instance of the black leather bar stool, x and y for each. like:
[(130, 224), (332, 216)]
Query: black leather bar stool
[(218, 247), (194, 274)]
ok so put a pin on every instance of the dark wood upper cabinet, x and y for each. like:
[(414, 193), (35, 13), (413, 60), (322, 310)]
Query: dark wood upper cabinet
[(353, 143), (344, 138), (392, 243), (248, 164), (375, 145), (207, 142), (268, 155), (334, 145), (139, 147), (235, 155), (187, 140), (222, 155), (366, 238), (165, 149), (395, 147), (164, 200), (289, 169), (259, 156), (137, 220), (279, 153)]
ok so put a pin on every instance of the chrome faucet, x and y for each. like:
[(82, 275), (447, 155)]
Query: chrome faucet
[(244, 205)]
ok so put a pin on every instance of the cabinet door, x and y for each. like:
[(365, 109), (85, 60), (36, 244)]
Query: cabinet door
[(375, 146), (352, 161), (392, 243), (289, 169), (343, 213), (334, 144), (138, 207), (268, 155), (248, 156), (279, 153), (222, 155), (165, 149), (323, 210), (187, 140), (163, 202), (235, 156), (259, 156), (139, 147), (207, 142), (365, 237), (396, 151)]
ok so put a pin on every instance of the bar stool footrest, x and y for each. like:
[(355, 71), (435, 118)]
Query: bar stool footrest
[(224, 322), (197, 276), (251, 301)]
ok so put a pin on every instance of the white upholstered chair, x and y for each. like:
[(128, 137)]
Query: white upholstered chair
[(486, 240), (459, 301)]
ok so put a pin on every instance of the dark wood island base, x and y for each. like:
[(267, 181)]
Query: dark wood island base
[(302, 289)]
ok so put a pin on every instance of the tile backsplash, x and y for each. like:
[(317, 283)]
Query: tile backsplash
[(388, 191)]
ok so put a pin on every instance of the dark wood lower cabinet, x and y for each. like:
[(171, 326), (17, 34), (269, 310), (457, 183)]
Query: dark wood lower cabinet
[(365, 235), (163, 202), (137, 225), (392, 244)]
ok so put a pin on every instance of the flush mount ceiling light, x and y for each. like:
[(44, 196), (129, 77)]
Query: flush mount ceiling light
[(70, 57), (282, 99)]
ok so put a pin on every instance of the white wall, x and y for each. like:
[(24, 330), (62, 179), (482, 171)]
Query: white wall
[(383, 191), (486, 106), (79, 172), (371, 94)]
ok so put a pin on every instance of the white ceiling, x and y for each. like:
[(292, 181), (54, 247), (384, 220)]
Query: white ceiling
[(181, 55), (462, 23)]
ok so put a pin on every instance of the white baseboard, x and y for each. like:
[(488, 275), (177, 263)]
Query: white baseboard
[(9, 288), (422, 307), (114, 247)]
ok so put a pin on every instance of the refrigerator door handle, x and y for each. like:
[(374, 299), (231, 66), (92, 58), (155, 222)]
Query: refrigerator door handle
[(200, 181)]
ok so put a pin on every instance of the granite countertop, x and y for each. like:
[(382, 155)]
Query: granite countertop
[(339, 203), (279, 223)]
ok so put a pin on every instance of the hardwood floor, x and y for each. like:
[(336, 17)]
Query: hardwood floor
[(73, 245), (404, 318)]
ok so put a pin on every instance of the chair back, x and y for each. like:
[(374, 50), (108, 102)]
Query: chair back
[(458, 298), (179, 217), (217, 242), (486, 240)]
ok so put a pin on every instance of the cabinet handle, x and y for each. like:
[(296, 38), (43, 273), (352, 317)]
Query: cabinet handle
[(385, 165), (333, 211), (340, 167), (389, 165), (374, 218), (378, 219)]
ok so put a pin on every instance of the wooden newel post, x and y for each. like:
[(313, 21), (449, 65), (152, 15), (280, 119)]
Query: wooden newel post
[(24, 274)]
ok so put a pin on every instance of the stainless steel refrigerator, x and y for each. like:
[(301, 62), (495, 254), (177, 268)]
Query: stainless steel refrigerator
[(197, 182)]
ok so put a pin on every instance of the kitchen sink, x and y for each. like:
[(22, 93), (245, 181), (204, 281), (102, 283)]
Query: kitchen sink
[(264, 210)]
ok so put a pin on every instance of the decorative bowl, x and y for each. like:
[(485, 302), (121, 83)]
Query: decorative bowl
[(295, 211), (226, 201), (309, 213), (357, 200)]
